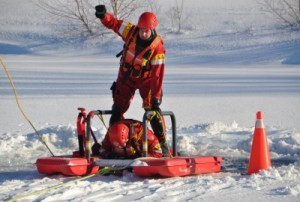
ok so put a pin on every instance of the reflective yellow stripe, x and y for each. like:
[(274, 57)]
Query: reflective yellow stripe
[(125, 28), (145, 147), (157, 148), (88, 145), (144, 62), (158, 59), (159, 56), (122, 28), (139, 136)]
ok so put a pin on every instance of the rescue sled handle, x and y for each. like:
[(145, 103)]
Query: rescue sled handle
[(173, 121), (145, 118), (89, 129)]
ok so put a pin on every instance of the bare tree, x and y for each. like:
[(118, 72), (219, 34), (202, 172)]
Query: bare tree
[(79, 12), (154, 6), (123, 9), (76, 11), (287, 11), (175, 13)]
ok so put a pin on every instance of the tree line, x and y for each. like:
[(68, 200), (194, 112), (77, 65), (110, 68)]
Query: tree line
[(81, 12)]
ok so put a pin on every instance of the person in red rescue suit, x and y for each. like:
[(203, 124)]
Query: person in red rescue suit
[(141, 68), (124, 140)]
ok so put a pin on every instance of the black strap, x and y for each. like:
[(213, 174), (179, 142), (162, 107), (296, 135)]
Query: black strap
[(119, 54)]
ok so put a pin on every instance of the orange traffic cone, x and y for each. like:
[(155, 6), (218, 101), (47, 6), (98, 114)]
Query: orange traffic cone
[(260, 155)]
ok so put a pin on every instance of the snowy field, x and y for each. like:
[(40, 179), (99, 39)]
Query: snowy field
[(230, 60)]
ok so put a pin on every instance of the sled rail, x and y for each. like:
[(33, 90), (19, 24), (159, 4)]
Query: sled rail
[(173, 121), (89, 129)]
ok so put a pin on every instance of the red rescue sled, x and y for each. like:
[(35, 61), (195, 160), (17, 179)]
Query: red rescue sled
[(83, 163), (78, 164), (179, 166), (67, 165)]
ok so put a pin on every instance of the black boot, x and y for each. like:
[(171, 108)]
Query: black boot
[(116, 114)]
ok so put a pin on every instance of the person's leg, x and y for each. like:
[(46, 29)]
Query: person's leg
[(157, 123), (123, 94), (159, 129)]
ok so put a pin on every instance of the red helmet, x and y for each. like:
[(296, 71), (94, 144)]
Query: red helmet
[(118, 134), (147, 21)]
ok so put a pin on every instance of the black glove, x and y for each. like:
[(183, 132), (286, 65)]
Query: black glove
[(96, 149), (155, 104), (100, 11)]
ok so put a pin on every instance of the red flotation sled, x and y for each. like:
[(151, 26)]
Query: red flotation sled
[(78, 164), (179, 166), (82, 162), (67, 165)]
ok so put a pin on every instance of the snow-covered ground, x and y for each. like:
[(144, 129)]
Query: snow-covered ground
[(231, 60)]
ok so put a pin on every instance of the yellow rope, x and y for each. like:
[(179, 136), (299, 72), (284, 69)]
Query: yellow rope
[(19, 105), (103, 171), (51, 188), (102, 120)]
